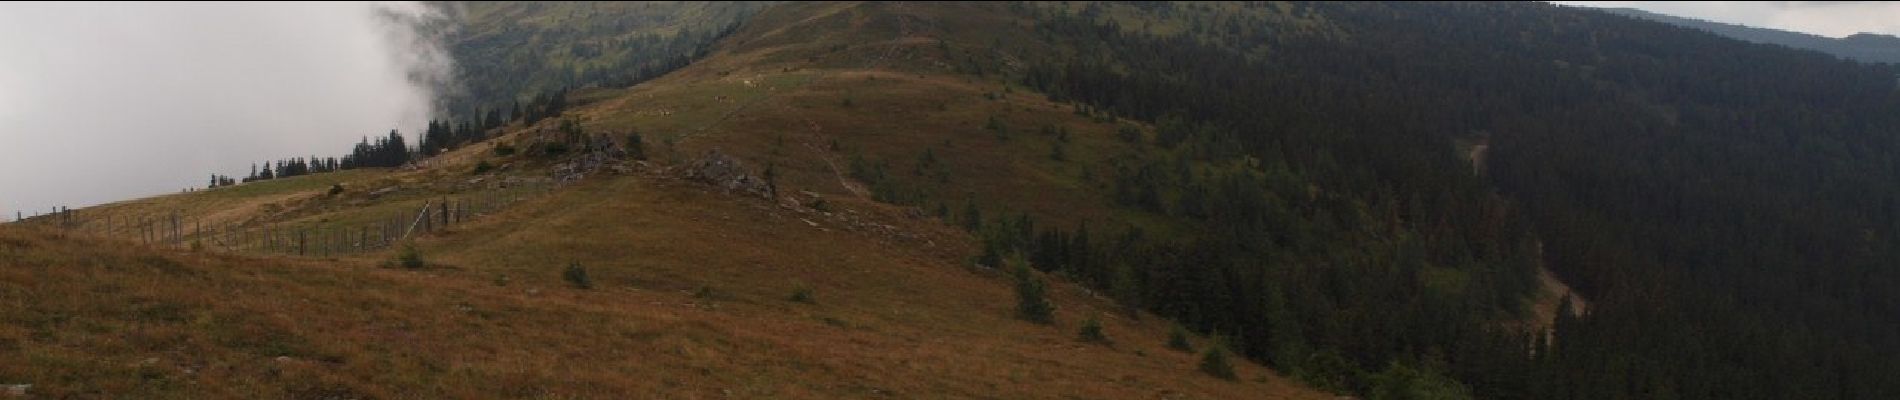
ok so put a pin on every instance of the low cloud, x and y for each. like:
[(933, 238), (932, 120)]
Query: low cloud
[(104, 102)]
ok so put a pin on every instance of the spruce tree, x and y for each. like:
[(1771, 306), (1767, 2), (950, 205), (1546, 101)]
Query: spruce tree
[(972, 217), (1032, 303)]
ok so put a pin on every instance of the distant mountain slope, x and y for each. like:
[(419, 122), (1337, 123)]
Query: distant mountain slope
[(510, 51), (1864, 47)]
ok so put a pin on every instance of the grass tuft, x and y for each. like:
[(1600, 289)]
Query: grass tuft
[(803, 294)]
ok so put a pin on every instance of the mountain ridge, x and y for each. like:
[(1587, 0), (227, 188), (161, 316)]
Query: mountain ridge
[(1864, 47)]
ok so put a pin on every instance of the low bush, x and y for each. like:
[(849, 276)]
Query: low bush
[(577, 275)]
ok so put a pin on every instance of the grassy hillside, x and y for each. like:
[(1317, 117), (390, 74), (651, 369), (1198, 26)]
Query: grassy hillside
[(675, 310), (814, 88), (691, 287)]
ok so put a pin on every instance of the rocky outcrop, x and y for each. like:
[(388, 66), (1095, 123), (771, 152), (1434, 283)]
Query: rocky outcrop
[(728, 173)]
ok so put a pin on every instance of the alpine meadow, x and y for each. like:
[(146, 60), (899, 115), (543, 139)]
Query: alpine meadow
[(991, 200)]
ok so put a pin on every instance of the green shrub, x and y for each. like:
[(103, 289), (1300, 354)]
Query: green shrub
[(336, 189), (636, 146), (1128, 133), (409, 258), (577, 276), (1329, 370), (504, 150), (482, 167), (996, 124), (1214, 362), (554, 148), (1092, 331), (1178, 340), (1403, 382), (705, 293)]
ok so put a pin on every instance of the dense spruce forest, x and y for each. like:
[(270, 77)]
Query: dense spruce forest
[(1728, 207)]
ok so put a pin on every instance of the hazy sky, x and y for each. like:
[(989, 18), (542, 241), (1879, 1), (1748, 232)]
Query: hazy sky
[(102, 102), (1825, 18)]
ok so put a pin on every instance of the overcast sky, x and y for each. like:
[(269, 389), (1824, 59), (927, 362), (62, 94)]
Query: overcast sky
[(104, 102), (1825, 18)]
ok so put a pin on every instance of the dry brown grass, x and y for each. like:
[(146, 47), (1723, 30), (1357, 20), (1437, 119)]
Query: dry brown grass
[(98, 318)]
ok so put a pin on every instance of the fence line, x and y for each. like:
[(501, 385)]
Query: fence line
[(176, 229)]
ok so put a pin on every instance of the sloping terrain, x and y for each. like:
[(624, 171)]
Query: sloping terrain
[(1375, 198), (691, 285), (507, 52), (689, 299)]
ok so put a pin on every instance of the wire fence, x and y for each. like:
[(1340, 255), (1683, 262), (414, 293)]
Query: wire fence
[(349, 234)]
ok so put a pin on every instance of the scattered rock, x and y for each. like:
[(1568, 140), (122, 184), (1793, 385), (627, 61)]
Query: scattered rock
[(283, 359), (725, 172)]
